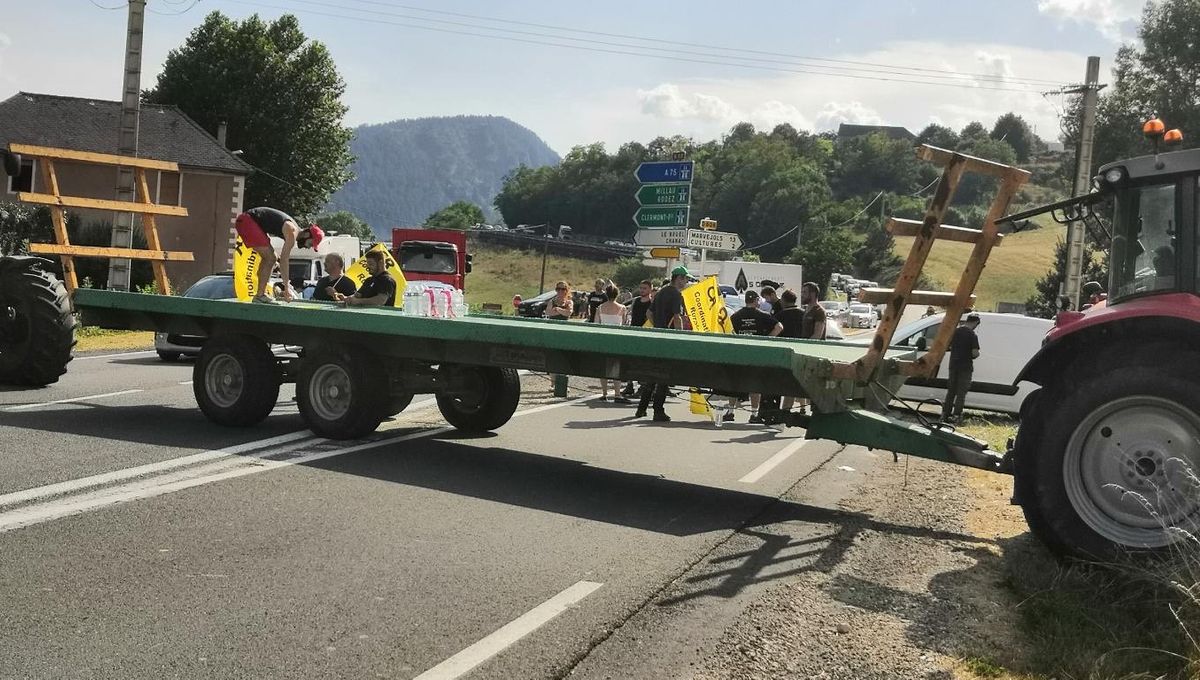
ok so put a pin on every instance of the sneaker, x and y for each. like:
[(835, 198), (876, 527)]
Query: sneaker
[(728, 417), (661, 417), (603, 397), (640, 413), (628, 391), (756, 419), (267, 299), (621, 400)]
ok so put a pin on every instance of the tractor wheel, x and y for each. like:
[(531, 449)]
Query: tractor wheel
[(1109, 465), (398, 403), (342, 393), (486, 401), (37, 328), (236, 380)]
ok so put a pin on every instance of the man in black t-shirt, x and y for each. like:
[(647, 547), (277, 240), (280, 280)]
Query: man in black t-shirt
[(335, 280), (750, 320), (964, 349), (666, 311), (377, 291), (639, 313), (256, 226), (596, 298)]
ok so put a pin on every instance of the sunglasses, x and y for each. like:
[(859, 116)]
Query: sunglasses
[(560, 289)]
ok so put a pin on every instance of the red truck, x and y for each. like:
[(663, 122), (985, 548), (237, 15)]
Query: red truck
[(432, 255)]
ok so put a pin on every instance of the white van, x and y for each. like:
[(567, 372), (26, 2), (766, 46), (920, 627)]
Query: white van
[(1006, 343)]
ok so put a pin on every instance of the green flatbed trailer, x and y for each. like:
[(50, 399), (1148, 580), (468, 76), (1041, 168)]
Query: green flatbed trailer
[(359, 366)]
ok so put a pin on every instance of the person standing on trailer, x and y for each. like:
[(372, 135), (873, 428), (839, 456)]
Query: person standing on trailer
[(964, 350), (256, 226)]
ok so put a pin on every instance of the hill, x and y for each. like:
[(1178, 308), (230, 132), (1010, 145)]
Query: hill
[(407, 169), (1012, 270), (500, 273)]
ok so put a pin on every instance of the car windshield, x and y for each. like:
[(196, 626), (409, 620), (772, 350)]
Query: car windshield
[(212, 288), (299, 270), (428, 260), (1144, 244), (860, 309), (830, 304)]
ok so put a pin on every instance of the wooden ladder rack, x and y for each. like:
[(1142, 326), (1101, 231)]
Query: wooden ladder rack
[(144, 206)]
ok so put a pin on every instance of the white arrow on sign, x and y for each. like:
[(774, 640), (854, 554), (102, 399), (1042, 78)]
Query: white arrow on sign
[(654, 262), (661, 237), (713, 240)]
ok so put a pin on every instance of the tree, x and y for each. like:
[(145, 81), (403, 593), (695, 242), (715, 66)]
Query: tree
[(1045, 302), (346, 222), (939, 136), (1013, 129), (19, 225), (971, 133), (875, 162), (457, 215), (823, 251), (280, 94)]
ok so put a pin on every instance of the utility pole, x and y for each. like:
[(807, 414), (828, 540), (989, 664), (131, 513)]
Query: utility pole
[(1083, 170), (127, 142), (545, 252)]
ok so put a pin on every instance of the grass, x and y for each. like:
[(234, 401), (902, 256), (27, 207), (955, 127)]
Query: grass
[(95, 339), (500, 273), (1011, 272)]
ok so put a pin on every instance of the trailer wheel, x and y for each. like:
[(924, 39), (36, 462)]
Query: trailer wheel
[(1114, 469), (236, 380), (488, 402), (37, 328), (342, 393)]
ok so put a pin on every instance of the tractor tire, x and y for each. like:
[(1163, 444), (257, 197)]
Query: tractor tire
[(489, 404), (37, 328), (236, 380), (398, 403), (1108, 466), (342, 392)]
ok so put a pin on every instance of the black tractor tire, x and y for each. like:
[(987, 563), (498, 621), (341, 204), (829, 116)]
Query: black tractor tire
[(1104, 448), (37, 328), (489, 405), (398, 403), (342, 392), (169, 357), (236, 380)]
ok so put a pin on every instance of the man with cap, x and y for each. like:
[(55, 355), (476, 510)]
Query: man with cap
[(666, 311), (1096, 297), (256, 226), (964, 350)]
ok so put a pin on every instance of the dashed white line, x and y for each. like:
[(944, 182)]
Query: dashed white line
[(115, 356), (185, 382), (72, 400), (468, 659), (773, 462)]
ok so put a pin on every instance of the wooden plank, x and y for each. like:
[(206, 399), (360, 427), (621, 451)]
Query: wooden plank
[(972, 163), (92, 157), (881, 296), (50, 179), (901, 227), (103, 204), (150, 229), (106, 251)]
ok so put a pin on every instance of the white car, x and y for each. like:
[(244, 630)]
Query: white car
[(835, 311), (862, 316), (1006, 343)]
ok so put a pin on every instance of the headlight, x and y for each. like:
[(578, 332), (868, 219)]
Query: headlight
[(1114, 175)]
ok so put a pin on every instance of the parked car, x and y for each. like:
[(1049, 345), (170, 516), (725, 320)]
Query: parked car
[(171, 346), (835, 311), (535, 307), (1006, 344), (861, 316), (733, 299)]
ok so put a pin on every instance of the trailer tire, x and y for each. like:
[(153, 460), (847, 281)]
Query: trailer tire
[(342, 393), (236, 380), (37, 328), (1116, 443), (487, 407)]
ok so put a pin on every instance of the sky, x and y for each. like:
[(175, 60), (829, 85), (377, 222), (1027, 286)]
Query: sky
[(580, 72)]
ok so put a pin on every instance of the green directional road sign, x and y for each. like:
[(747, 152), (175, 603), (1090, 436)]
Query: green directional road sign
[(664, 194), (661, 217)]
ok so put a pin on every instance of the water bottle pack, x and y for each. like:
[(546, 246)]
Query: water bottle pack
[(438, 302)]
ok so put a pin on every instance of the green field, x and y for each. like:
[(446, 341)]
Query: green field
[(500, 273), (1012, 270)]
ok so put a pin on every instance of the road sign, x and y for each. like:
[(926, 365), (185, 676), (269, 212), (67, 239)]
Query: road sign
[(654, 262), (664, 171), (661, 217), (661, 237), (708, 224), (665, 253), (713, 240), (664, 194)]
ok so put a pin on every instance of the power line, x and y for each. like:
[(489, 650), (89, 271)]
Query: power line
[(687, 44), (175, 13), (959, 85), (120, 6)]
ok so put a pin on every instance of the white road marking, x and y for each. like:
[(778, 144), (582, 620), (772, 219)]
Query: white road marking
[(186, 479), (185, 382), (115, 356), (773, 462), (72, 400), (468, 659)]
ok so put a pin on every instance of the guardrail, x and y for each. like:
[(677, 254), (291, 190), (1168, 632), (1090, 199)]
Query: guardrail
[(584, 251)]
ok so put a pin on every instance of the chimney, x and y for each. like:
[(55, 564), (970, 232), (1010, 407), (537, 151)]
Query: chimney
[(222, 128)]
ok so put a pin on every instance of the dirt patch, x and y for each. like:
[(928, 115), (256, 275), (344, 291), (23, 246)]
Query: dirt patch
[(115, 341)]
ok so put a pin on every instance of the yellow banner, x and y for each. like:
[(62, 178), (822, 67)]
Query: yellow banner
[(358, 271), (705, 307), (245, 270)]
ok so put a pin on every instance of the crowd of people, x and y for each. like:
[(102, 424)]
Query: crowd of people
[(767, 312)]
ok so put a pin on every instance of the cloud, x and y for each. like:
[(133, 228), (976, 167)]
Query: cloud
[(834, 114), (5, 42), (771, 113), (1115, 19), (667, 101)]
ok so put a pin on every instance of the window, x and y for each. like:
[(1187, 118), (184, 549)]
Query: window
[(170, 188), (428, 259), (23, 181), (1144, 249)]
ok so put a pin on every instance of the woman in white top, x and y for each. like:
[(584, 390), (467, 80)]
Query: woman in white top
[(612, 313)]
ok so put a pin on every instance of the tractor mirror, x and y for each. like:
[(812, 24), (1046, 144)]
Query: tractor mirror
[(921, 344), (12, 163)]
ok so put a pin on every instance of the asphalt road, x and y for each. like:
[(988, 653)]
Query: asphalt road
[(138, 540)]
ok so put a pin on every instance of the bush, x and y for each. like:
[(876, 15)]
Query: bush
[(630, 271)]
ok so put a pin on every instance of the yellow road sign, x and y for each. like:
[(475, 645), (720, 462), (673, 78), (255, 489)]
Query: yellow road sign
[(708, 224), (665, 253)]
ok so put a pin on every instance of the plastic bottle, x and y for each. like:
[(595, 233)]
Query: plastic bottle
[(447, 304), (429, 303), (412, 301), (460, 303)]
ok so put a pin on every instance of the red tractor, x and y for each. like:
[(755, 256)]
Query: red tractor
[(1107, 457)]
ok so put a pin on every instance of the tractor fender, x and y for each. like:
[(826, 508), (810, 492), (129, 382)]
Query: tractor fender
[(23, 261)]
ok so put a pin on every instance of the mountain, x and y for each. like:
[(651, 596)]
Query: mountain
[(407, 169)]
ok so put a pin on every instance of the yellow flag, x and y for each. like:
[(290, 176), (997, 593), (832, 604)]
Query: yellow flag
[(705, 307), (358, 271), (245, 270), (699, 405)]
